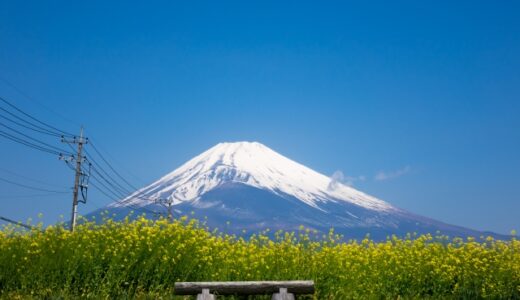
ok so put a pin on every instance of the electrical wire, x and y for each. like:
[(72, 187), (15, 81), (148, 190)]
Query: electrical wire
[(18, 120), (28, 144), (110, 166), (26, 96), (101, 176), (106, 185), (120, 186), (110, 181), (17, 223), (99, 171), (100, 150), (6, 197), (95, 182), (34, 126), (110, 189), (28, 178), (114, 183), (122, 194), (105, 191), (33, 118), (32, 187), (35, 140)]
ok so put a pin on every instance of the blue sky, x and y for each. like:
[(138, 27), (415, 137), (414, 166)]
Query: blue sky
[(416, 103)]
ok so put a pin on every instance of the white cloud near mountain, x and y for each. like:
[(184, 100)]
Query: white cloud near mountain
[(387, 175), (339, 178)]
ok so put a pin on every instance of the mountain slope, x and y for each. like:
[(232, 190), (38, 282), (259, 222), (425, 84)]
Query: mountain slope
[(247, 186), (255, 165)]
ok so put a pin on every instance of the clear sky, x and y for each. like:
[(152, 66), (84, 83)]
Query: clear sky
[(415, 102)]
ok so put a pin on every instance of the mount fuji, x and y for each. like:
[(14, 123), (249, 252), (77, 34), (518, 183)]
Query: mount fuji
[(247, 187)]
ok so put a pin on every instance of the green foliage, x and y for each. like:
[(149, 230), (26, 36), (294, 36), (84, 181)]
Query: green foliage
[(143, 258)]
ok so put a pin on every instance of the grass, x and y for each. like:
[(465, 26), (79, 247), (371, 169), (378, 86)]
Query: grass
[(143, 258)]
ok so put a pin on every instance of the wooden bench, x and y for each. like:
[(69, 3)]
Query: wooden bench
[(281, 290)]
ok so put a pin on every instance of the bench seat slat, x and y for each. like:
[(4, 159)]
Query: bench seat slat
[(245, 287)]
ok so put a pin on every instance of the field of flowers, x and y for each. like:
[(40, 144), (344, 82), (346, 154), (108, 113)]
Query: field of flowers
[(143, 258)]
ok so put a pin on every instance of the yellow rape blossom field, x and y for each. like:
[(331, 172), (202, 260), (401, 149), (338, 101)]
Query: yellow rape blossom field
[(143, 258)]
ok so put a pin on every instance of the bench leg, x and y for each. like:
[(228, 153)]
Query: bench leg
[(283, 295), (205, 295)]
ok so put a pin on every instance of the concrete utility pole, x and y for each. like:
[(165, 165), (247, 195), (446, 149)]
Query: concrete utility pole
[(168, 203), (78, 173), (170, 214)]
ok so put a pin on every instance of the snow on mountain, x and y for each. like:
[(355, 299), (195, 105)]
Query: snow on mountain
[(255, 165), (252, 187)]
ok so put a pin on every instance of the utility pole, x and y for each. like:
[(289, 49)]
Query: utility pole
[(78, 173), (168, 203)]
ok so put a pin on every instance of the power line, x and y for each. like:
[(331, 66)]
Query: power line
[(112, 182), (6, 197), (107, 184), (115, 196), (37, 128), (26, 96), (16, 223), (112, 168), (29, 141), (34, 139), (113, 189), (111, 185), (28, 144), (27, 178), (29, 122), (104, 192), (108, 191), (116, 185), (32, 187), (33, 118), (125, 194), (141, 181)]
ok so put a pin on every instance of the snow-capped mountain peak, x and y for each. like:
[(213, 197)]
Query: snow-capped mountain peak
[(252, 164), (254, 188)]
